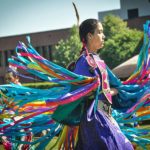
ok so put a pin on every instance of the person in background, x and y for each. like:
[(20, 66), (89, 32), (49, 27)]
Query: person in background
[(11, 77)]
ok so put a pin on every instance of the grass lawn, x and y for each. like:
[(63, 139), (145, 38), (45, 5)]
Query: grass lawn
[(1, 147)]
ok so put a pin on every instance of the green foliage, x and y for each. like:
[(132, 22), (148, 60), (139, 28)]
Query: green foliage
[(68, 50), (40, 85), (121, 43)]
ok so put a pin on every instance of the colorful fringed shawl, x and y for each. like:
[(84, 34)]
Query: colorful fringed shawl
[(58, 109)]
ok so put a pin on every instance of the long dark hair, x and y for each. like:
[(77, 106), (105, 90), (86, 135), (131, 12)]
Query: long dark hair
[(87, 26)]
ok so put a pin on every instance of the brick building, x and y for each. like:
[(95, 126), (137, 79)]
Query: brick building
[(135, 12), (44, 43)]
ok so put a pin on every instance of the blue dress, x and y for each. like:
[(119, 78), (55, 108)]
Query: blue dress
[(99, 131)]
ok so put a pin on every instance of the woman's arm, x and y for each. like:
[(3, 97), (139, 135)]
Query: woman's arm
[(113, 91)]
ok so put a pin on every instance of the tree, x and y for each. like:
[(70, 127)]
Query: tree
[(121, 43), (68, 50)]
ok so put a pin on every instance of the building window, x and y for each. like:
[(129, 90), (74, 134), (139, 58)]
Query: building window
[(44, 52), (133, 13), (12, 53), (50, 52), (37, 49), (2, 80), (0, 58), (6, 57)]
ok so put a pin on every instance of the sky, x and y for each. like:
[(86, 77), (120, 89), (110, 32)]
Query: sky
[(30, 16)]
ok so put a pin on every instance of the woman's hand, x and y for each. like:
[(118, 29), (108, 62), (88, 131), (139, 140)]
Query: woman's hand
[(113, 91)]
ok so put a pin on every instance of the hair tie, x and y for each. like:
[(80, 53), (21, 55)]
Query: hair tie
[(84, 48)]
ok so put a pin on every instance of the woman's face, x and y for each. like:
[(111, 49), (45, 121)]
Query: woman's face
[(96, 40)]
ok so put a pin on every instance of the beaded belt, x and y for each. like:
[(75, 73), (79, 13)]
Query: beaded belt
[(104, 106)]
